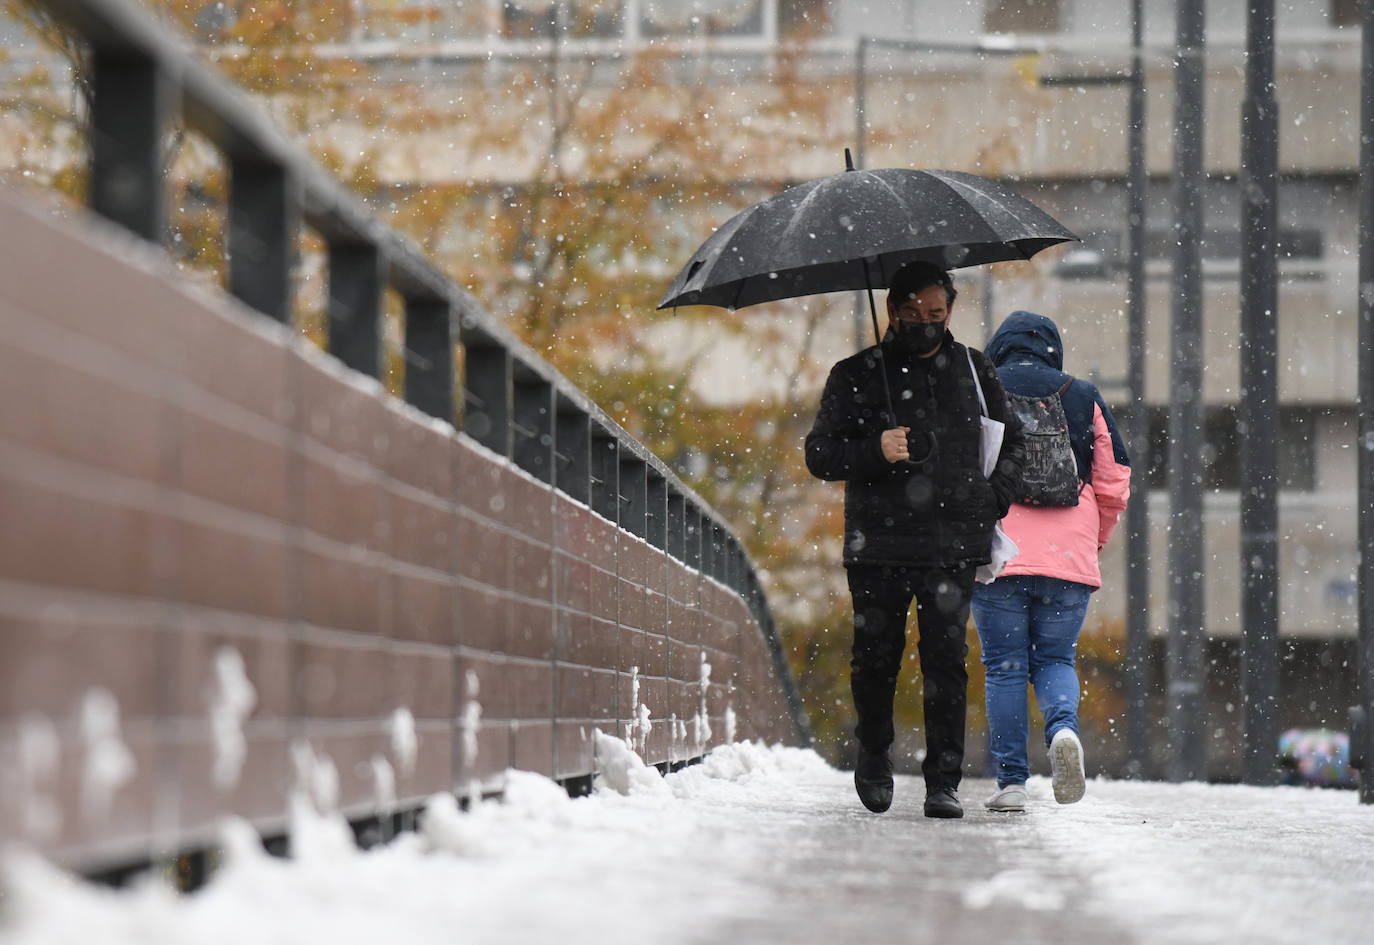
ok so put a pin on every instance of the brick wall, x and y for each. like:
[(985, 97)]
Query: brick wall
[(192, 498)]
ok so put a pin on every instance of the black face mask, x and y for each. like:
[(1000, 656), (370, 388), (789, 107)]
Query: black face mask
[(921, 339)]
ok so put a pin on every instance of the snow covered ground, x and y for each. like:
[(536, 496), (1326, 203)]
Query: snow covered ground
[(760, 844)]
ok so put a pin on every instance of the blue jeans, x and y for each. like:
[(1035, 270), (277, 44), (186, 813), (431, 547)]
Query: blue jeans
[(1028, 627)]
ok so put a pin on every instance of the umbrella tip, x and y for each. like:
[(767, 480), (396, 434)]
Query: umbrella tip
[(848, 160)]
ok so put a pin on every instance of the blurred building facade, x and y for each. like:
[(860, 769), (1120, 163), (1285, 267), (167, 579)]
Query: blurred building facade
[(975, 104), (956, 84)]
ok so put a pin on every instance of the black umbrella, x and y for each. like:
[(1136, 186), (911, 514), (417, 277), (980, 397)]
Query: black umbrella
[(854, 230)]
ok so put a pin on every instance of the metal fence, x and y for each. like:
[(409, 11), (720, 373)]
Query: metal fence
[(584, 504)]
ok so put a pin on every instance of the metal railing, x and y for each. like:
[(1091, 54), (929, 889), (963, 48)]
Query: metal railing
[(514, 403)]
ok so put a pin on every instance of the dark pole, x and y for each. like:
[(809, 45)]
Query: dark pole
[(860, 117), (1366, 421), (1259, 392), (861, 111), (1186, 664), (860, 132), (1138, 663), (987, 305)]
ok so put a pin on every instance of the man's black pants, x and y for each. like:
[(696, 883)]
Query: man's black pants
[(882, 599)]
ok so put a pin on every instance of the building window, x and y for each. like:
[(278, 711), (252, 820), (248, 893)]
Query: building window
[(529, 19), (1106, 252), (802, 17), (537, 22), (672, 18), (419, 21), (1345, 12), (1221, 447), (1021, 16), (600, 18), (570, 19)]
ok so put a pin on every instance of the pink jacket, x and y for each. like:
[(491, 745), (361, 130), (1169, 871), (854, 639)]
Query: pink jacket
[(1064, 542)]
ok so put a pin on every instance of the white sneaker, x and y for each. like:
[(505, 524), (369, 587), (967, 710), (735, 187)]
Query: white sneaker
[(1066, 767), (1008, 800)]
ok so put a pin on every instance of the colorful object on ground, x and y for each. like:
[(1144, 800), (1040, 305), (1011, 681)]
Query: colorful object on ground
[(1317, 756)]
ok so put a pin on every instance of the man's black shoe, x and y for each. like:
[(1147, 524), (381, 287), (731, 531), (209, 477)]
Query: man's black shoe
[(943, 802), (873, 779)]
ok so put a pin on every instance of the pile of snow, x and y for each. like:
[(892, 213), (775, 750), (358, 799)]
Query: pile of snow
[(517, 868)]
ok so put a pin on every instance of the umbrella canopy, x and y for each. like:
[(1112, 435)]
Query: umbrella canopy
[(854, 229)]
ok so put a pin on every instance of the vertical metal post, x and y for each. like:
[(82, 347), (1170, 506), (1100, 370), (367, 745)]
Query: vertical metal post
[(1259, 391), (605, 466), (634, 494), (572, 440), (656, 510), (1139, 666), (355, 306), (429, 356), (677, 524), (487, 393), (707, 562), (263, 222), (532, 406), (1187, 666), (692, 544), (1365, 450), (129, 109)]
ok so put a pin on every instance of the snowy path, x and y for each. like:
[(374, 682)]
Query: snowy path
[(759, 845)]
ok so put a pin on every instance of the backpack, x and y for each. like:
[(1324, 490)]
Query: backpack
[(1050, 476)]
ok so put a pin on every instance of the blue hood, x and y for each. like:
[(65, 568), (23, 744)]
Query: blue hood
[(1026, 336)]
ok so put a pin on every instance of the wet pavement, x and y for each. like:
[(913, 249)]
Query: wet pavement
[(835, 873), (1133, 862)]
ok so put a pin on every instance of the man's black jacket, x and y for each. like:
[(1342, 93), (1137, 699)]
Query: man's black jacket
[(935, 511)]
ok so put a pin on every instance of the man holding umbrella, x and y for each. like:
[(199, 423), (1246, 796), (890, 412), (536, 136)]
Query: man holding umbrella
[(899, 425), (919, 512)]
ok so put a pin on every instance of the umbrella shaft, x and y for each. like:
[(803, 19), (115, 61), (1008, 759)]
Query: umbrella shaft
[(878, 340)]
